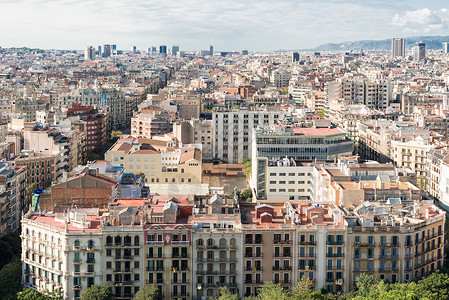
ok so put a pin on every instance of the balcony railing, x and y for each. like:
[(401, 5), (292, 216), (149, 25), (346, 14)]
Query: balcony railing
[(335, 242)]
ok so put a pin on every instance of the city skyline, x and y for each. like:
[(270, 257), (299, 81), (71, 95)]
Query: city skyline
[(253, 25)]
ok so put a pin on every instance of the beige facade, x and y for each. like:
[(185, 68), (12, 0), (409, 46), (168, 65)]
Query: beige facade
[(171, 166)]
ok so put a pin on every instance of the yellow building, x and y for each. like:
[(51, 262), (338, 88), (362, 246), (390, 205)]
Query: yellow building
[(171, 166), (395, 243)]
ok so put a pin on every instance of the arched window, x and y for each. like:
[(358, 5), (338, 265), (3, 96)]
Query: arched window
[(90, 244), (222, 243), (127, 240), (77, 244), (109, 240), (232, 242), (28, 231), (210, 242), (118, 240), (136, 240), (164, 169), (200, 243)]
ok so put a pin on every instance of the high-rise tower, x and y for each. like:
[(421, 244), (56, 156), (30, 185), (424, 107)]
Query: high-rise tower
[(398, 47)]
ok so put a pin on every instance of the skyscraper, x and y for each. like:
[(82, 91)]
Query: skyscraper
[(99, 53), (89, 53), (134, 49), (106, 50), (211, 50), (114, 49), (398, 47), (419, 51), (163, 49), (295, 56), (174, 50), (446, 47)]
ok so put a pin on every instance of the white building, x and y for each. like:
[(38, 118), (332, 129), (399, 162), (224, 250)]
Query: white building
[(61, 251), (232, 132)]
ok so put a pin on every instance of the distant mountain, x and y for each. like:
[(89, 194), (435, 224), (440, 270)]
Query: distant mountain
[(432, 42)]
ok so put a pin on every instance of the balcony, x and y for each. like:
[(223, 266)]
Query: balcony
[(307, 268), (158, 269), (253, 269), (221, 259), (307, 243), (127, 270), (155, 243), (255, 242), (282, 255), (77, 261), (283, 242), (180, 295), (282, 268), (180, 282), (155, 282), (180, 243), (335, 255), (218, 272), (77, 287), (359, 244), (253, 282), (90, 260), (335, 242)]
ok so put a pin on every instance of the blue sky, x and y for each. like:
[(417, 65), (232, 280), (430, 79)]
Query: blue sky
[(230, 24)]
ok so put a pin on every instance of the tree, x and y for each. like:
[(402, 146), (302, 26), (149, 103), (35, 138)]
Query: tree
[(116, 134), (364, 284), (226, 295), (148, 292), (435, 286), (30, 294), (271, 291), (29, 191), (321, 113), (246, 195), (247, 166), (98, 292), (10, 280)]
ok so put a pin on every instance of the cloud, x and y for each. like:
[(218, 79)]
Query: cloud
[(424, 20), (191, 24)]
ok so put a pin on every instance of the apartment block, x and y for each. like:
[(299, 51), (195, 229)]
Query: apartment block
[(173, 165), (403, 245), (196, 132), (232, 132), (217, 238), (10, 201)]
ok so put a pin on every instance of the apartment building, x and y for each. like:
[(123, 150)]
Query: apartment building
[(280, 78), (94, 124), (168, 247), (375, 95), (232, 132), (285, 242), (111, 99), (196, 132), (217, 242), (148, 124), (188, 109), (189, 246), (403, 245), (284, 179), (10, 201), (435, 158), (62, 251), (180, 165), (412, 154), (41, 169)]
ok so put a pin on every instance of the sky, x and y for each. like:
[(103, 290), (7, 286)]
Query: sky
[(255, 25)]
